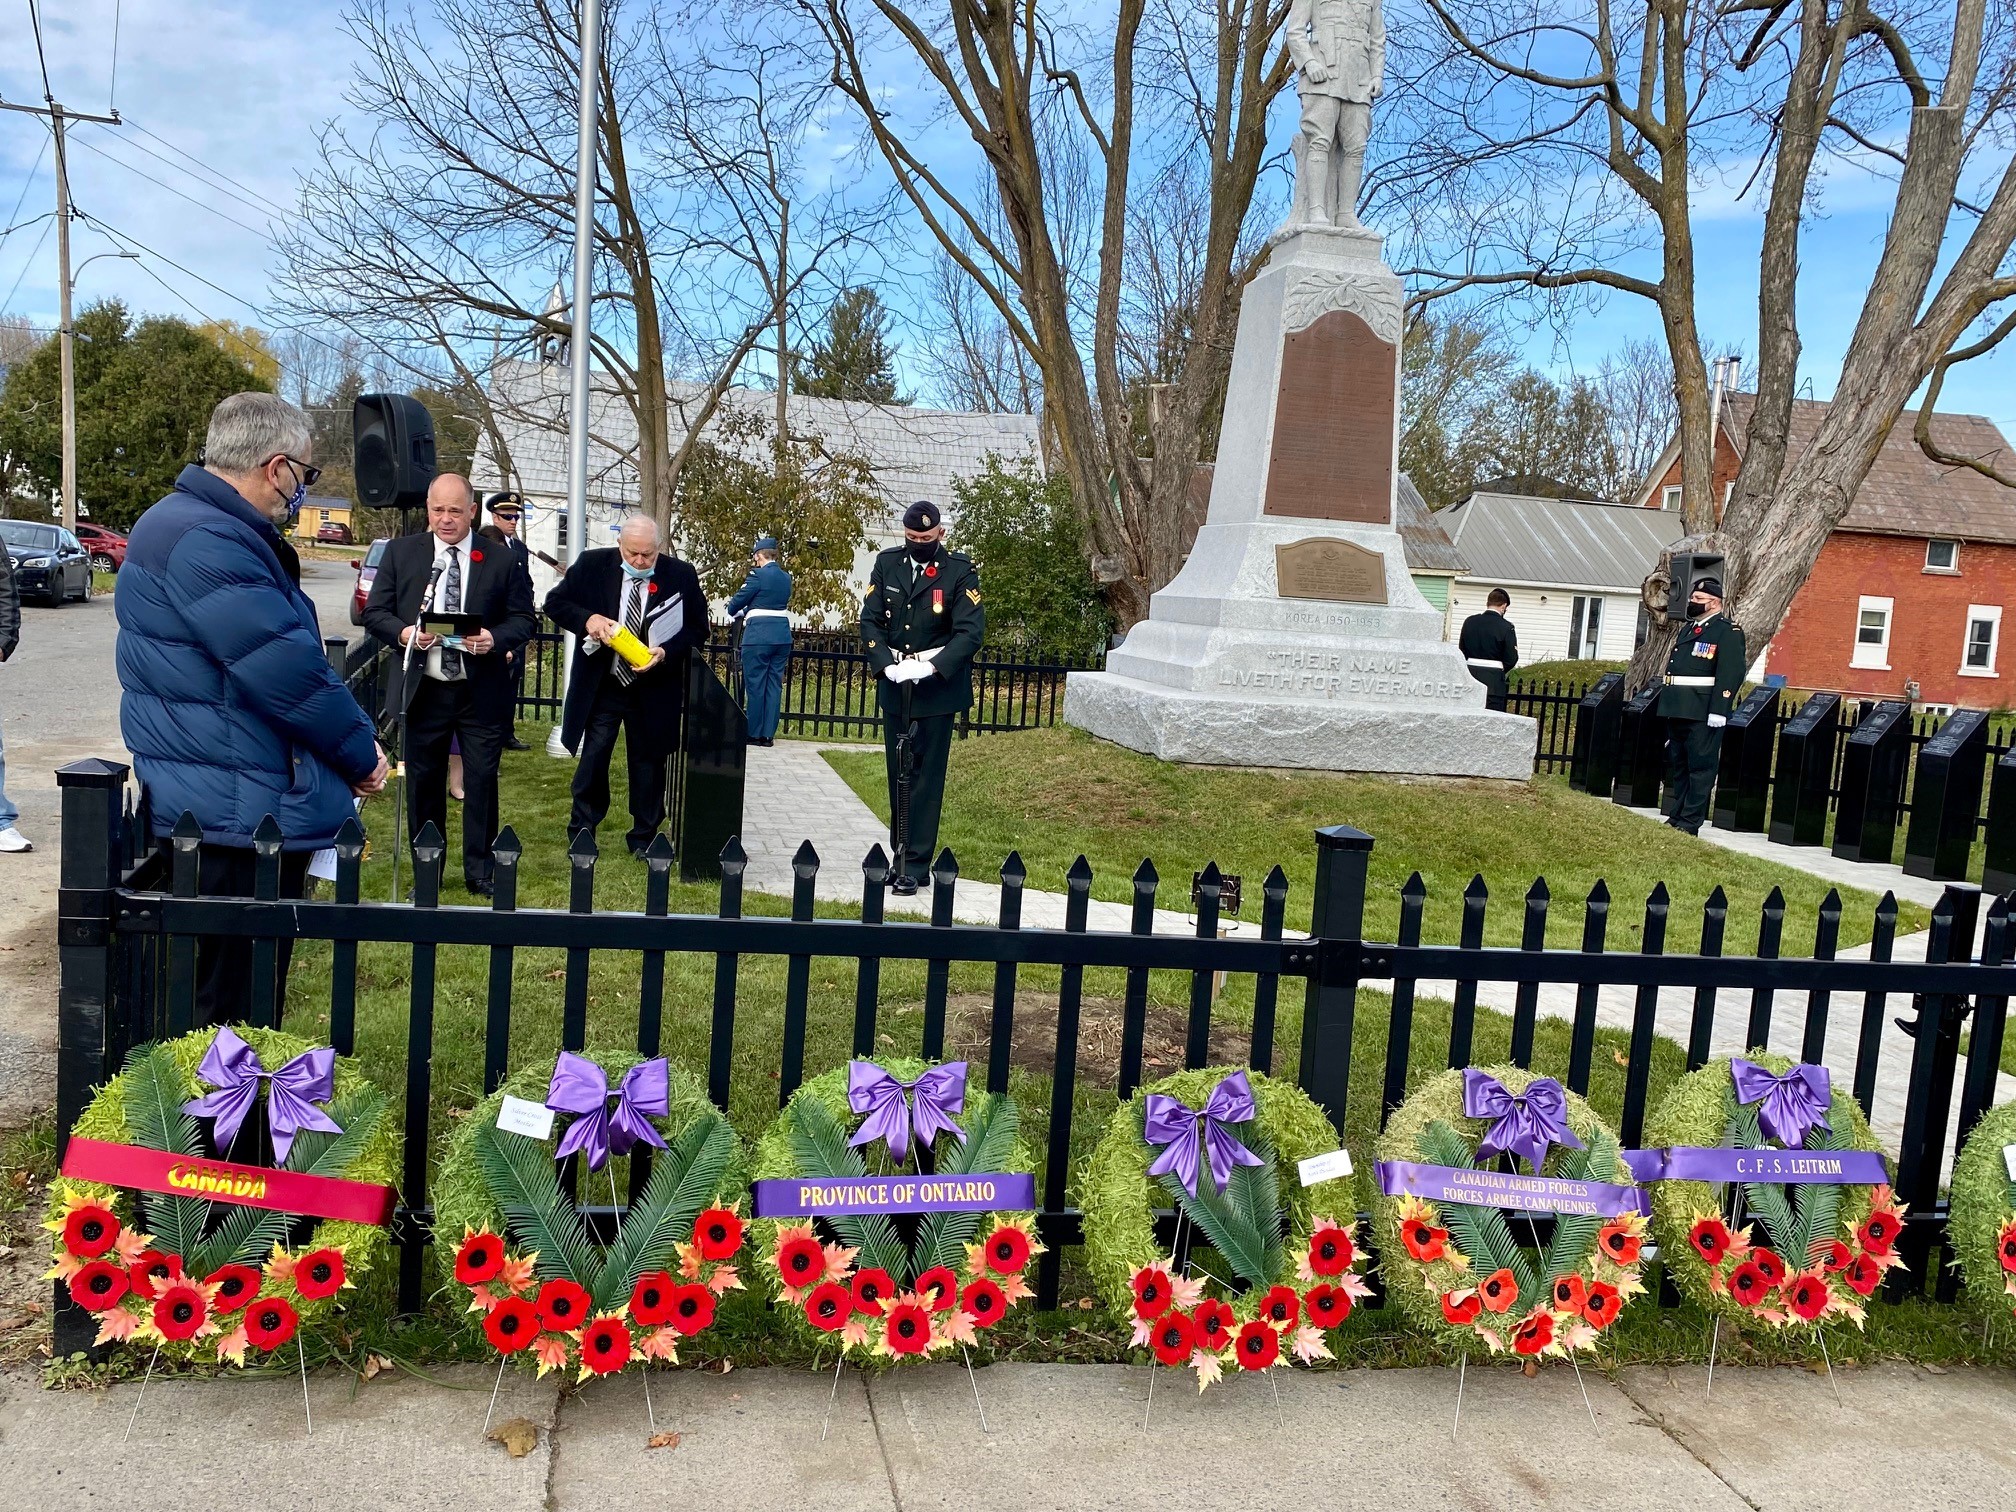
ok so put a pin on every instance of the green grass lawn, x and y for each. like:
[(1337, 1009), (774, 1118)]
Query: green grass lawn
[(1055, 794)]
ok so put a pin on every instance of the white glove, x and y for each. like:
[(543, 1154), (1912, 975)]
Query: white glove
[(893, 671), (916, 671), (1716, 721)]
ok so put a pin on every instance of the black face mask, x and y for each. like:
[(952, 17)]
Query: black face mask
[(921, 551), (1696, 609)]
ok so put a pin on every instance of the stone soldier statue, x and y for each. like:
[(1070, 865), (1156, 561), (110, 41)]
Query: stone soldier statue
[(1702, 677), (1339, 49)]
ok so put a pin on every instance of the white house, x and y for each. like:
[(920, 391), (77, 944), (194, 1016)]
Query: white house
[(1572, 567), (916, 453)]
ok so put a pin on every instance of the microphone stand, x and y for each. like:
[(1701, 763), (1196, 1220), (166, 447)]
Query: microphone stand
[(405, 703)]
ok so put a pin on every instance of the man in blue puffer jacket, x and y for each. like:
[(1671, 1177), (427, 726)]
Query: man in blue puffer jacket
[(229, 705)]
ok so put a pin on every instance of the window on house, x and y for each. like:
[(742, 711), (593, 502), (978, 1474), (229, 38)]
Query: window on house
[(1669, 497), (560, 520), (1872, 633), (1984, 631), (1585, 628), (1942, 556)]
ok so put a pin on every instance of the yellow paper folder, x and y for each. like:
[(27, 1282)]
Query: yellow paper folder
[(631, 649)]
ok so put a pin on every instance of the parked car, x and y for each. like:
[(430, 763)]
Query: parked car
[(50, 564), (335, 533), (107, 547), (367, 569)]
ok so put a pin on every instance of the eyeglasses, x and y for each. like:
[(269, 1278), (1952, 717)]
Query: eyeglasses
[(505, 514), (308, 474)]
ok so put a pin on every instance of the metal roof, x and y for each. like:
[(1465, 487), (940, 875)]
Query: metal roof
[(1558, 543), (915, 453), (1426, 544)]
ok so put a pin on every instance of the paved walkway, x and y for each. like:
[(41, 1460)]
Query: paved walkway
[(1057, 1438), (793, 795)]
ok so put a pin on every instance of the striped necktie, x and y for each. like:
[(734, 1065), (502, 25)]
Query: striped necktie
[(633, 621), (451, 603)]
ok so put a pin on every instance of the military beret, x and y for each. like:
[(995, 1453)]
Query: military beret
[(1710, 586), (923, 515)]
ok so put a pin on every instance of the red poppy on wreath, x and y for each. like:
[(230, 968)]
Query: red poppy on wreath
[(1879, 1233), (1621, 1242), (1330, 1251), (1151, 1292), (180, 1313), (89, 1231), (1863, 1276), (829, 1307), (1424, 1241), (605, 1347), (1327, 1306), (1175, 1337), (651, 1299), (1257, 1346), (319, 1274), (871, 1291), (1499, 1291), (511, 1325), (1568, 1294), (1461, 1312), (692, 1309), (908, 1330), (1535, 1333), (1835, 1257), (1749, 1285), (270, 1322), (2005, 1246), (1806, 1294), (1214, 1321), (98, 1286), (1710, 1238), (153, 1273), (938, 1288), (480, 1258), (801, 1261), (1007, 1250), (1768, 1261), (718, 1232), (1281, 1307), (984, 1302), (562, 1304), (231, 1287), (1601, 1306)]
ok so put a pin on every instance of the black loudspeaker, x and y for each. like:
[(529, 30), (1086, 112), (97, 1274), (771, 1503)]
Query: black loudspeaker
[(392, 451), (1688, 568)]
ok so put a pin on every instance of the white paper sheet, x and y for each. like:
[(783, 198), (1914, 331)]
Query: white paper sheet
[(666, 625)]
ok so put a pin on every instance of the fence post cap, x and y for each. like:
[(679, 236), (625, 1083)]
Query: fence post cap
[(91, 772), (1342, 837)]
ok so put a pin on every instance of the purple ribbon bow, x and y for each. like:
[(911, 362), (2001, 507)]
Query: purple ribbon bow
[(1793, 1104), (232, 1067), (1178, 1132), (933, 1100), (580, 1087), (1523, 1123)]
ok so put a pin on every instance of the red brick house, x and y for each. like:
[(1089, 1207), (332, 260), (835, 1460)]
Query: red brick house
[(1907, 597)]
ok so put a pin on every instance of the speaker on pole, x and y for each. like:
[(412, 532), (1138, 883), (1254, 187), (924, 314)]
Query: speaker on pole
[(392, 451)]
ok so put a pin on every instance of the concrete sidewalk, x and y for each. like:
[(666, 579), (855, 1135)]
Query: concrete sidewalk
[(1058, 1437)]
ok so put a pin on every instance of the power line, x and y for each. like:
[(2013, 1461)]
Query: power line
[(184, 152), (22, 198), (28, 264), (171, 189), (249, 204), (112, 94), (35, 19)]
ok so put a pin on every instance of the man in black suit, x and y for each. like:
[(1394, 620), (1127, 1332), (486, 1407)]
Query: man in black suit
[(507, 513), (633, 587), (452, 693), (1490, 647)]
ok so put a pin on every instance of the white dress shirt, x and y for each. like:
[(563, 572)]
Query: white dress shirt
[(439, 604)]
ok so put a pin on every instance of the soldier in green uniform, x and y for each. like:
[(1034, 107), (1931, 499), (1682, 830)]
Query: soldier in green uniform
[(1702, 677), (922, 623)]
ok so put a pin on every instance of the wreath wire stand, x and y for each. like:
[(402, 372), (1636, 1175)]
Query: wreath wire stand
[(1186, 1264)]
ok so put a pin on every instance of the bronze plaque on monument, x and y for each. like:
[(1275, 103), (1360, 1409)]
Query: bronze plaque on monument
[(1341, 571), (1332, 456)]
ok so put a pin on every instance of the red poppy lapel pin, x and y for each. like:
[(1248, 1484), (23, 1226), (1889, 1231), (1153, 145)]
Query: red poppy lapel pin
[(931, 570), (475, 556), (654, 588)]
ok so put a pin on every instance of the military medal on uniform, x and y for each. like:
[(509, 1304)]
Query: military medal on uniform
[(937, 600)]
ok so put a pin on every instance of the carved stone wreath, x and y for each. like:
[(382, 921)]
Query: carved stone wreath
[(1372, 298)]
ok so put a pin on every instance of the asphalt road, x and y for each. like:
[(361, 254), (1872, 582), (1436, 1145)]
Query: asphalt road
[(59, 702)]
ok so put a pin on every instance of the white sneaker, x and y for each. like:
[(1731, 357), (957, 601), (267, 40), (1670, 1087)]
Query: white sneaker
[(14, 843)]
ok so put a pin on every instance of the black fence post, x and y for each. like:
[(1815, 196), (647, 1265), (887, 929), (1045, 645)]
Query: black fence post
[(88, 1009), (1337, 919), (1935, 1062)]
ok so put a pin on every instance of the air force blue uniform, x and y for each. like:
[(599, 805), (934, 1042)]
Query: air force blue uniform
[(761, 604)]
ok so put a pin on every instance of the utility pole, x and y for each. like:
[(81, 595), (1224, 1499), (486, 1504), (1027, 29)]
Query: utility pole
[(66, 336)]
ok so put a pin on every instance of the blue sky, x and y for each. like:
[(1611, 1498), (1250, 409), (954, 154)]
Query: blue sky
[(243, 85)]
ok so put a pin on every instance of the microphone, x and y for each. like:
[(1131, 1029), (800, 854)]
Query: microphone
[(426, 603)]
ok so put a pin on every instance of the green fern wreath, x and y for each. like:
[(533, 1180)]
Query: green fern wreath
[(1982, 1221)]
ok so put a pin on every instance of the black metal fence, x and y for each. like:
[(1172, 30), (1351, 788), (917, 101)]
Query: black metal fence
[(129, 922)]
